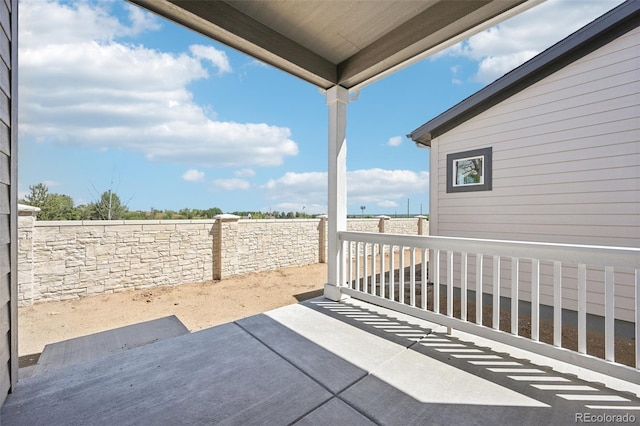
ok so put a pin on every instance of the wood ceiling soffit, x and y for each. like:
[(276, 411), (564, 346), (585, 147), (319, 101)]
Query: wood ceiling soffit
[(422, 29), (244, 33), (429, 28)]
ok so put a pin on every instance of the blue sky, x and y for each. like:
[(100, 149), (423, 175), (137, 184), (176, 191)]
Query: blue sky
[(114, 97)]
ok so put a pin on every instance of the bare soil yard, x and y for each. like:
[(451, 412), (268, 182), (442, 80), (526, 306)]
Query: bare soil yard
[(197, 305), (202, 305)]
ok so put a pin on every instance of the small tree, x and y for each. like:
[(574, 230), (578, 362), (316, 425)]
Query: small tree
[(52, 206), (59, 207), (37, 196), (186, 213), (109, 207), (212, 212)]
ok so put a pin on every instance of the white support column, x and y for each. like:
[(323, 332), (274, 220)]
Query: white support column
[(337, 98)]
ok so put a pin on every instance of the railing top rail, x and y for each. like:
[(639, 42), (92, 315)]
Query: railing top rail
[(622, 257)]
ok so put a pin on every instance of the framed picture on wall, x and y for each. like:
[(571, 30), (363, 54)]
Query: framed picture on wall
[(469, 171)]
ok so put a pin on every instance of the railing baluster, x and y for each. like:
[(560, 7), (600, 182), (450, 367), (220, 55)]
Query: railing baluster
[(557, 303), (582, 308), (358, 266), (450, 283), (401, 277), (535, 299), (412, 280), (496, 293), (382, 265), (341, 265), (424, 271), (637, 306), (479, 262), (392, 273), (463, 286), (373, 269), (436, 282), (352, 245), (515, 299), (349, 266), (609, 315), (365, 272)]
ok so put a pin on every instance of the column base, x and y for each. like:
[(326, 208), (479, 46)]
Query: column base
[(332, 292)]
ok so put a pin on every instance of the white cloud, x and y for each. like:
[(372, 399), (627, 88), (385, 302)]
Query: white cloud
[(394, 141), (501, 48), (140, 21), (373, 186), (299, 188), (51, 183), (244, 173), (81, 87), (230, 184), (493, 67), (215, 56), (387, 203), (193, 175), (454, 71), (370, 186)]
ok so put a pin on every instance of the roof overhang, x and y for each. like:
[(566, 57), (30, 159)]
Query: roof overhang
[(592, 36), (347, 43)]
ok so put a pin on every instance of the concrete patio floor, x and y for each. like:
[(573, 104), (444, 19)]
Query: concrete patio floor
[(319, 362)]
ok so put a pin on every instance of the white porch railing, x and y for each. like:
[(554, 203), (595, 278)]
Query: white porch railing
[(388, 270)]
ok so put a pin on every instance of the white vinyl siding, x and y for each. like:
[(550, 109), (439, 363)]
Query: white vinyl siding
[(566, 161)]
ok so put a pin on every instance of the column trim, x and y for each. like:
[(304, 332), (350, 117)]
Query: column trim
[(337, 99)]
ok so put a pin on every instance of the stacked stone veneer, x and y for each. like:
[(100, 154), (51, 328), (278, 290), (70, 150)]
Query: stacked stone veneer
[(71, 259), (406, 226), (262, 245)]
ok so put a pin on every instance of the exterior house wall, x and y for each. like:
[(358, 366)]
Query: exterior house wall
[(566, 156), (8, 197)]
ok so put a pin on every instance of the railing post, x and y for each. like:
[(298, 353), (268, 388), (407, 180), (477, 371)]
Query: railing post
[(588, 259), (223, 245), (337, 99), (423, 225), (382, 220), (26, 277)]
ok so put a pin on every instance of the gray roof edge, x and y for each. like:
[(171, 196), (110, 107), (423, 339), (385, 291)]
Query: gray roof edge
[(607, 27)]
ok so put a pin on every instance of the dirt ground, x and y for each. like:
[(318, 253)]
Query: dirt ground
[(197, 305), (202, 305)]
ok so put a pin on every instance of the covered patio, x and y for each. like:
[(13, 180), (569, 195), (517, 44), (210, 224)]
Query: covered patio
[(362, 354), (320, 362)]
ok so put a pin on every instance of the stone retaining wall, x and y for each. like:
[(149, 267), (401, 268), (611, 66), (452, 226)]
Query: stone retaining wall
[(61, 260)]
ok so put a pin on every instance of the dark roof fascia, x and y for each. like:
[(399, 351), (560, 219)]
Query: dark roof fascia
[(594, 35)]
